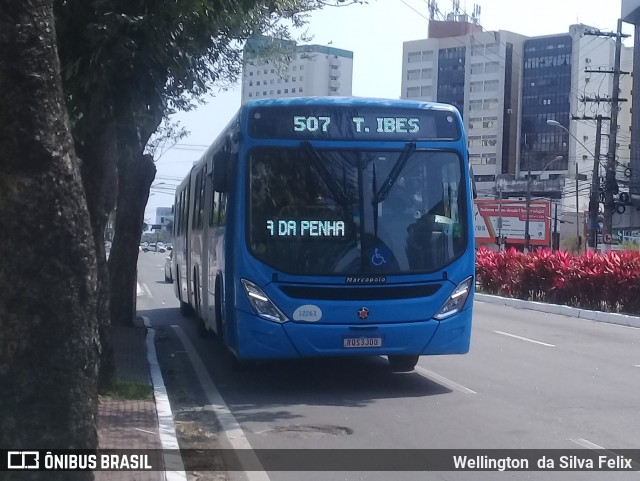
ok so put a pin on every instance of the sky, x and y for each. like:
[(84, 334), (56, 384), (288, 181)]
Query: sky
[(375, 33)]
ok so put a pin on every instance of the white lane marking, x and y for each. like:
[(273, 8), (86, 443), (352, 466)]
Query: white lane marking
[(146, 289), (636, 365), (139, 290), (145, 431), (174, 467), (585, 444), (608, 452), (524, 339), (443, 380), (230, 427)]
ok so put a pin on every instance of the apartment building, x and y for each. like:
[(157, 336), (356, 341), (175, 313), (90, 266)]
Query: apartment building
[(479, 73), (276, 68)]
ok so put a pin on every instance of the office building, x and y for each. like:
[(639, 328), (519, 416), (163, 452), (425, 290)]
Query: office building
[(507, 87), (567, 79), (479, 73)]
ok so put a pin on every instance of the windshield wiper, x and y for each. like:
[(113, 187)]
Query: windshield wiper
[(388, 183), (374, 182), (324, 172)]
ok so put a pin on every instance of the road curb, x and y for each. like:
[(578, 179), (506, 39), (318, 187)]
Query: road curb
[(166, 425), (608, 317)]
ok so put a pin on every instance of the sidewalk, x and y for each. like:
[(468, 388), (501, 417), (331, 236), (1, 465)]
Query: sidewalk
[(127, 423)]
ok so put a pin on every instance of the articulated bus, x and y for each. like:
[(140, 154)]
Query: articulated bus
[(331, 227)]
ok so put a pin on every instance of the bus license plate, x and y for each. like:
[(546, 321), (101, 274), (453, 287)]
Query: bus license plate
[(350, 342)]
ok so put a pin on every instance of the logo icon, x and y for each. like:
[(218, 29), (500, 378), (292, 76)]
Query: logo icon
[(363, 313), (23, 460), (379, 256)]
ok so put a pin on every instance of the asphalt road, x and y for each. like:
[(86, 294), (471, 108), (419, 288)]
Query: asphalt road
[(531, 380)]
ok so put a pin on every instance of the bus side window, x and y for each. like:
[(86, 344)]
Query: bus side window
[(222, 208), (214, 209)]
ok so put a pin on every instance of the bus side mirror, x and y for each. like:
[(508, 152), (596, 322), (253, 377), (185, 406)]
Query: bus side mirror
[(221, 166)]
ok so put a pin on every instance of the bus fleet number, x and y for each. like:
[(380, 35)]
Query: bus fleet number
[(310, 124)]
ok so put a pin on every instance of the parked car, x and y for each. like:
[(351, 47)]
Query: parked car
[(153, 247), (168, 274)]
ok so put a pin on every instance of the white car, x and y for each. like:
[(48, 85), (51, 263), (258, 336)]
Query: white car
[(168, 276), (154, 248)]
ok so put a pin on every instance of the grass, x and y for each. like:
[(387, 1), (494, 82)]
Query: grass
[(129, 390)]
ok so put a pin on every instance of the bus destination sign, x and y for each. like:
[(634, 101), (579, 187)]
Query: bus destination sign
[(308, 123)]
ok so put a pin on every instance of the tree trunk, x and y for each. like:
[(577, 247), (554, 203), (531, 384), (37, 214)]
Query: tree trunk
[(94, 134), (48, 331), (99, 178), (97, 157), (135, 174)]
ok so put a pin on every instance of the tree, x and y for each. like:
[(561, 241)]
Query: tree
[(130, 64), (48, 332)]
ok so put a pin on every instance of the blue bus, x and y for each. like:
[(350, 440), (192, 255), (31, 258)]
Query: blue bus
[(331, 227)]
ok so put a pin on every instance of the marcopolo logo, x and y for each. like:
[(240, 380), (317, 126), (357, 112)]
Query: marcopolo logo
[(23, 460), (365, 280)]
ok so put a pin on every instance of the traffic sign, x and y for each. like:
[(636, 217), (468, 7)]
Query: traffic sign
[(607, 238)]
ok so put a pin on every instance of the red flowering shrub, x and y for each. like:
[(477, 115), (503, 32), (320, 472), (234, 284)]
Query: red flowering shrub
[(499, 272), (487, 271), (593, 281), (540, 273)]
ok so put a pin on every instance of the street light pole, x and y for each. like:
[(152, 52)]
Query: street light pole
[(593, 197), (577, 211), (527, 237), (528, 208)]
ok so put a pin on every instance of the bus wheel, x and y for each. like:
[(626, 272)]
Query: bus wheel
[(218, 310), (185, 309), (237, 365), (203, 330), (403, 363)]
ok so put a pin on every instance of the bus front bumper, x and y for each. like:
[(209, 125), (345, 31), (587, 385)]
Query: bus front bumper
[(262, 339)]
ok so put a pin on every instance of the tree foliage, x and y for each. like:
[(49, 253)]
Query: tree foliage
[(149, 59)]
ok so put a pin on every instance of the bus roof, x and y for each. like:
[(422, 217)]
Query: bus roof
[(349, 101)]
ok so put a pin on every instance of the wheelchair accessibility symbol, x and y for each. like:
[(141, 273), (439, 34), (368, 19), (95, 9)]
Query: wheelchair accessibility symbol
[(379, 256)]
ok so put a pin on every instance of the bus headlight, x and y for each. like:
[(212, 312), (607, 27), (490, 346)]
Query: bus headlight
[(261, 304), (456, 301)]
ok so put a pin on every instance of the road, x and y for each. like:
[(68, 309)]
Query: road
[(531, 380)]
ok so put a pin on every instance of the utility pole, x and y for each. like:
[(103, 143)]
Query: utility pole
[(610, 175), (555, 241), (500, 241), (594, 201), (528, 208), (578, 237)]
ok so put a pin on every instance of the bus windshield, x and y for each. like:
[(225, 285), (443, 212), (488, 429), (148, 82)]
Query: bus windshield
[(353, 212)]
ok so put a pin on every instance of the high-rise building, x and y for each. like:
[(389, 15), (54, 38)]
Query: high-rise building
[(276, 68), (479, 73), (507, 87), (567, 79), (631, 14)]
